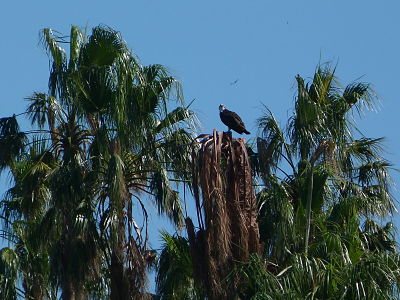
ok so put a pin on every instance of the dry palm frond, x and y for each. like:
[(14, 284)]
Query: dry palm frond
[(229, 234)]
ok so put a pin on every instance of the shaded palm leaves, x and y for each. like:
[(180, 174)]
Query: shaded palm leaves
[(175, 270), (24, 207), (8, 274), (11, 141)]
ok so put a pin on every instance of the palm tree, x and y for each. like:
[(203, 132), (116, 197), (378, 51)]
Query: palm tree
[(45, 197), (24, 209), (109, 123), (323, 189), (106, 133)]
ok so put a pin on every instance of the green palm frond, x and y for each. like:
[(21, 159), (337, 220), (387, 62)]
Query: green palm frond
[(176, 149), (277, 220), (322, 111), (50, 40), (8, 274), (160, 83), (96, 91), (77, 39), (38, 108), (272, 147), (166, 198), (174, 278), (357, 152), (30, 193), (373, 277), (104, 46), (174, 117), (258, 282), (361, 95), (375, 172), (379, 238), (12, 141), (307, 124), (71, 140)]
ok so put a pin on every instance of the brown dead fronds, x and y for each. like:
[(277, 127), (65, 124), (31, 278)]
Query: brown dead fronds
[(227, 213)]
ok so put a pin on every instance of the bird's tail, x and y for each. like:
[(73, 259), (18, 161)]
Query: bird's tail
[(246, 132)]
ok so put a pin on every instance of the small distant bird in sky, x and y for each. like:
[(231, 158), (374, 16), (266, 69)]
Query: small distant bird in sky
[(234, 82), (232, 120)]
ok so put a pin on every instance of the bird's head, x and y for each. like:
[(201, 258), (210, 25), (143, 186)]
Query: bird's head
[(222, 107)]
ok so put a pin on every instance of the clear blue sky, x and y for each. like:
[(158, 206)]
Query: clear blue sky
[(209, 44)]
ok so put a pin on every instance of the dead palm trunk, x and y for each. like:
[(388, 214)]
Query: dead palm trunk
[(222, 173)]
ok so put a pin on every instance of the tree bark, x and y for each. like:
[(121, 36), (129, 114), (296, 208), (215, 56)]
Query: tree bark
[(119, 282)]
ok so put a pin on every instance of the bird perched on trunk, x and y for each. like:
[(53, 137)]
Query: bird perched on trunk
[(232, 120)]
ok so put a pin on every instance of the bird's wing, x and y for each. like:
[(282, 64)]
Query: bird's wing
[(236, 117)]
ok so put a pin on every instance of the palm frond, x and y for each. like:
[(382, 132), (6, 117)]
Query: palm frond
[(258, 282), (379, 238), (174, 278), (77, 39), (174, 117), (103, 47), (12, 141), (277, 221), (271, 147), (30, 193), (361, 95), (50, 40), (167, 199), (8, 274)]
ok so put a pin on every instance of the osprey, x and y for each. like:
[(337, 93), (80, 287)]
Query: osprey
[(232, 120)]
